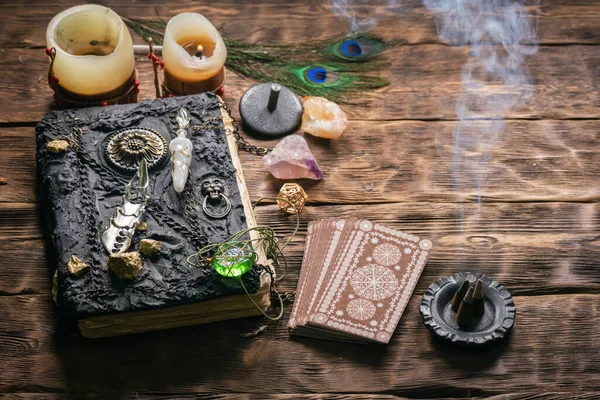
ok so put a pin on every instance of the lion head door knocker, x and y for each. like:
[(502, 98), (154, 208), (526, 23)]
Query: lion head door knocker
[(117, 236), (214, 197)]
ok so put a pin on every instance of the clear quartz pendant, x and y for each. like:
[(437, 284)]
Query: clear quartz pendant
[(181, 152)]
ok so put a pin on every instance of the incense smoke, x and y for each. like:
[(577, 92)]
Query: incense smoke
[(362, 15), (501, 34)]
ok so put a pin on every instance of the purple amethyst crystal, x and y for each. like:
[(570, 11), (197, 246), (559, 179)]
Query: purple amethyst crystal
[(292, 159)]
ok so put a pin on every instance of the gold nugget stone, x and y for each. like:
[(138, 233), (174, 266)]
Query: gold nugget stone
[(77, 267), (149, 247), (57, 146), (142, 226), (295, 196), (125, 265)]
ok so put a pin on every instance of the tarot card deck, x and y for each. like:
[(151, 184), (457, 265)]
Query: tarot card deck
[(356, 280)]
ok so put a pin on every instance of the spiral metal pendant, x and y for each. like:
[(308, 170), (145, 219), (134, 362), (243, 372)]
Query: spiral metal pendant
[(127, 147)]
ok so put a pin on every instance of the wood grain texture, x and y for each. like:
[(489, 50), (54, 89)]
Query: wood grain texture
[(425, 84), (294, 396), (202, 396), (400, 161), (536, 229), (532, 249), (560, 21), (215, 359)]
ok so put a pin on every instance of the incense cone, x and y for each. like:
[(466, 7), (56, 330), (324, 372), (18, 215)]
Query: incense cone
[(458, 296), (464, 316), (478, 302)]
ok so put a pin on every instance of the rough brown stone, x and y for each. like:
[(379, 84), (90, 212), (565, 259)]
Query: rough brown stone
[(3, 181), (57, 146), (149, 247), (77, 267), (125, 265), (142, 226)]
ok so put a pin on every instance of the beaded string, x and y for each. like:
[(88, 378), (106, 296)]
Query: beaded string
[(266, 240), (52, 80)]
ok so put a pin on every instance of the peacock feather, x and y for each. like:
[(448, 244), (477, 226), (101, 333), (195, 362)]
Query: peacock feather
[(358, 48), (338, 69), (329, 79)]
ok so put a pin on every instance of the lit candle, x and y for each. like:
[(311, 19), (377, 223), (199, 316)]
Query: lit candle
[(94, 54), (194, 55)]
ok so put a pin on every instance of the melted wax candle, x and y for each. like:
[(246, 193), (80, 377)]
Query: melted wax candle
[(194, 54), (195, 50), (94, 52)]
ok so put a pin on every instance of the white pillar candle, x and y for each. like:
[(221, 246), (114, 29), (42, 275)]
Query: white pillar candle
[(185, 71), (94, 51)]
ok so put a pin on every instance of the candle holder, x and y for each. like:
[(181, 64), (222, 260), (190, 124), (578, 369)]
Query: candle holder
[(91, 58), (194, 56)]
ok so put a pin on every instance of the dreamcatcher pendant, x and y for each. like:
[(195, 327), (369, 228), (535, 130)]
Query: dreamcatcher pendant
[(181, 152)]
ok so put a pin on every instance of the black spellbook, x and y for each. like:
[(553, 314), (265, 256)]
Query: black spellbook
[(83, 184)]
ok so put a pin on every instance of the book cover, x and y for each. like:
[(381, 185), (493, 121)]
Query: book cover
[(82, 187)]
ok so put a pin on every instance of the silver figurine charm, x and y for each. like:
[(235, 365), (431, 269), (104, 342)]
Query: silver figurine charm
[(213, 192), (117, 236), (181, 152)]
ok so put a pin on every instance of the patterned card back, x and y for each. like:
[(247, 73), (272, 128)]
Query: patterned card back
[(360, 287)]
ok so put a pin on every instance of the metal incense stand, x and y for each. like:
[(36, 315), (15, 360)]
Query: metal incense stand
[(468, 309), (270, 110)]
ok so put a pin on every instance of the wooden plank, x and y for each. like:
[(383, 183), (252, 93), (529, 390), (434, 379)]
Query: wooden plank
[(17, 164), (199, 396), (425, 84), (547, 396), (560, 21), (400, 161), (552, 348), (292, 396), (532, 249), (26, 267)]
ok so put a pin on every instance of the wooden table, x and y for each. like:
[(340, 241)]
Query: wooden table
[(538, 230)]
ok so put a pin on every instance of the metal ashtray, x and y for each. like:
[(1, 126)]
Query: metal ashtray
[(494, 325)]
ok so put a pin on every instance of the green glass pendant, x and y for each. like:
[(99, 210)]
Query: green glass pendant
[(234, 262)]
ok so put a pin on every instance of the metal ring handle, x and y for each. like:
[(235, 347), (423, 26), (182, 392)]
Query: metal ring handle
[(220, 215)]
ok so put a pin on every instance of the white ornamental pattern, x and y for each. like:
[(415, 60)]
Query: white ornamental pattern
[(387, 254), (374, 282), (360, 309), (425, 244)]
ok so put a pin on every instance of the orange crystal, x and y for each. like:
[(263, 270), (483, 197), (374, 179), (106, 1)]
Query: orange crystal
[(323, 118)]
